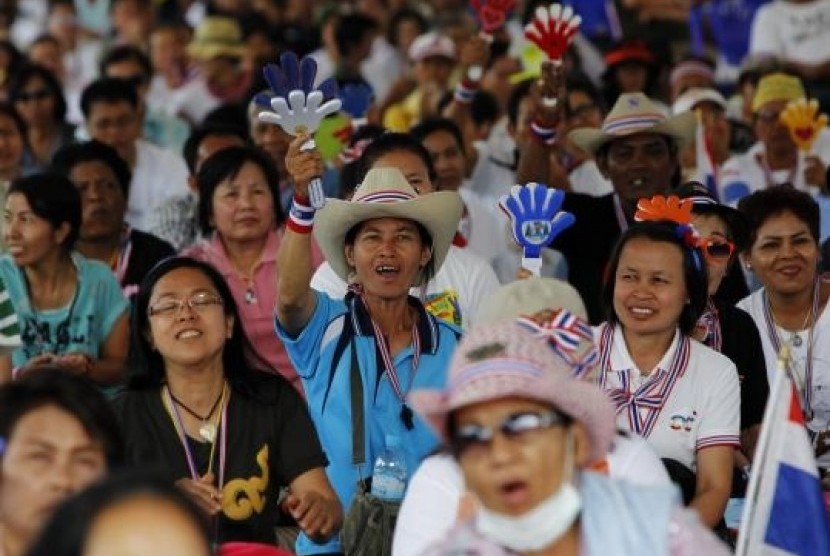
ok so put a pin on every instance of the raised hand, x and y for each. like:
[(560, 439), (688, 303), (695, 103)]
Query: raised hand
[(535, 219), (296, 106), (553, 29), (804, 122)]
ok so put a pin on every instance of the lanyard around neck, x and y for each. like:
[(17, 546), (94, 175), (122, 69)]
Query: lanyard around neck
[(182, 434)]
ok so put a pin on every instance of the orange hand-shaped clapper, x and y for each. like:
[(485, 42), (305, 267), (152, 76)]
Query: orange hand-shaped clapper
[(805, 124)]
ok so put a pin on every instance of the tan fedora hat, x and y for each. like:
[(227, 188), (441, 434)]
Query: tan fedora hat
[(635, 113), (217, 36), (385, 193)]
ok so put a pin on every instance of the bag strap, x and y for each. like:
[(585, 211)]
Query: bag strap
[(358, 418)]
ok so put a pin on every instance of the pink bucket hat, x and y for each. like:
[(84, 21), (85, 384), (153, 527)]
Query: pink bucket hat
[(505, 360)]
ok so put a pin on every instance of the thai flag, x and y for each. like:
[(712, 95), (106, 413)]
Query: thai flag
[(707, 171), (784, 512)]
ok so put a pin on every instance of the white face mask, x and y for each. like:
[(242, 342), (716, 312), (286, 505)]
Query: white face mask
[(541, 526)]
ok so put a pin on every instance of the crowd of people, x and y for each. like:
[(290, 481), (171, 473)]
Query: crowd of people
[(196, 357)]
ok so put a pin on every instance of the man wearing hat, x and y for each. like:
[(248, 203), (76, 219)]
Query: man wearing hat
[(218, 51), (775, 159), (637, 150), (434, 57)]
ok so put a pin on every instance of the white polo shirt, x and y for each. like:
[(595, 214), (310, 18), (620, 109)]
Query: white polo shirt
[(754, 305), (454, 294), (703, 409)]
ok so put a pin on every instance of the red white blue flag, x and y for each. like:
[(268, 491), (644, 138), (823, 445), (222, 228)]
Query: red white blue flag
[(785, 511)]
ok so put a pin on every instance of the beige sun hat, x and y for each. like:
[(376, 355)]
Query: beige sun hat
[(385, 193), (636, 113), (217, 36), (528, 296)]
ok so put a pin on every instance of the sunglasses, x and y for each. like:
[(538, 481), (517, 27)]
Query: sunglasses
[(478, 438), (717, 248), (39, 94)]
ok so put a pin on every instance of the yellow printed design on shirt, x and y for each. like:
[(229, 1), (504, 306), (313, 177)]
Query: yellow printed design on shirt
[(444, 305), (241, 497)]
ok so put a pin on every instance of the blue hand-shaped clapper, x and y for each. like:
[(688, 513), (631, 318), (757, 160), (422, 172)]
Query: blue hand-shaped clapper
[(536, 219), (356, 99), (296, 106)]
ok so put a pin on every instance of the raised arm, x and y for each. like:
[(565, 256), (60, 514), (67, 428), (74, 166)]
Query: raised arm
[(295, 298)]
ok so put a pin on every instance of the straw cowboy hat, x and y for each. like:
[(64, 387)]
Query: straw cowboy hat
[(217, 36), (386, 193), (635, 113), (503, 360)]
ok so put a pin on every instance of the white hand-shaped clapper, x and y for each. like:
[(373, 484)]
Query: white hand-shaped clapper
[(296, 106)]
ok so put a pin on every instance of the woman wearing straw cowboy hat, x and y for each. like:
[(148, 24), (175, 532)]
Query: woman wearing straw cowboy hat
[(383, 241), (636, 149), (523, 431)]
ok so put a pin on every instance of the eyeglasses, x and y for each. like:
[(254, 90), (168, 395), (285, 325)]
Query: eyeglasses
[(199, 302), (472, 437), (39, 94), (717, 248)]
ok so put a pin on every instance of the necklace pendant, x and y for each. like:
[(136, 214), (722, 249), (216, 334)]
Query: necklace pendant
[(208, 432), (796, 340), (250, 296)]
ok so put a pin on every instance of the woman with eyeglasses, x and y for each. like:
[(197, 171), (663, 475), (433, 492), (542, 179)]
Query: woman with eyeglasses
[(229, 436), (680, 395), (37, 95), (722, 326), (71, 310), (783, 253), (525, 432)]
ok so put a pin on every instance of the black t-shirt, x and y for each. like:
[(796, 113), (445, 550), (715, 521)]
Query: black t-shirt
[(741, 342), (147, 250), (269, 445), (587, 247)]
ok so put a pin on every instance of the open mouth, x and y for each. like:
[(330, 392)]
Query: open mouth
[(387, 270), (515, 493), (641, 312), (188, 334)]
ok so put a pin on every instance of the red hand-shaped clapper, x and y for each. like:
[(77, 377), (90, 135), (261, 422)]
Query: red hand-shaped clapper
[(553, 29), (492, 13)]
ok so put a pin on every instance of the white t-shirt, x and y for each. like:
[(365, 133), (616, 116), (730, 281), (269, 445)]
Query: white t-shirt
[(586, 178), (743, 174), (754, 305), (792, 32), (701, 410), (158, 174), (430, 507), (484, 226), (494, 173), (192, 101), (460, 286)]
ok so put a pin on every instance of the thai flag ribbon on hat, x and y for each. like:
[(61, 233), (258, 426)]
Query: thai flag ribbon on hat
[(552, 29), (564, 332), (297, 106), (535, 219)]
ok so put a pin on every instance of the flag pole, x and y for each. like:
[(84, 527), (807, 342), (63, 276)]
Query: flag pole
[(763, 447)]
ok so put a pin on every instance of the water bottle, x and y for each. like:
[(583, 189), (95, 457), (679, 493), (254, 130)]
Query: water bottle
[(389, 475)]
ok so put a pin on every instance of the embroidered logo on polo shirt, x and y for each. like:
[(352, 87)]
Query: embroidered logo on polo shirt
[(682, 422)]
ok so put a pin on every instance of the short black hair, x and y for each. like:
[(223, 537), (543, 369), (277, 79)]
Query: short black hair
[(73, 154), (126, 53), (55, 199), (190, 149), (767, 203), (484, 108), (26, 73), (578, 81), (225, 164), (45, 386), (392, 142), (428, 126), (350, 175), (694, 271), (11, 112), (108, 90), (350, 29), (67, 530)]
